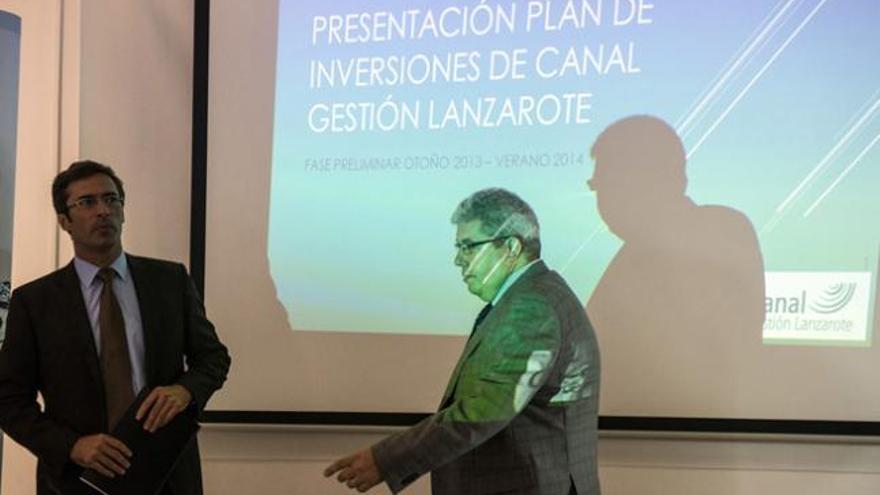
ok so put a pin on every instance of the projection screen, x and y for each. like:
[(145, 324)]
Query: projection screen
[(341, 135)]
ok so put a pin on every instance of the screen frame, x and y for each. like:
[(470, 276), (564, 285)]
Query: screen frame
[(200, 110)]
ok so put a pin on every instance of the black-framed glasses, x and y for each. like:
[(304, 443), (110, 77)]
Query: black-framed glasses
[(110, 200), (468, 248)]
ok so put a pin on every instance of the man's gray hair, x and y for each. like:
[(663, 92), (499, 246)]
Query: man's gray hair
[(501, 214)]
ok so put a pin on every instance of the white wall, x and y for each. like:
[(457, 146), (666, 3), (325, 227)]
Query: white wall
[(289, 460), (114, 84), (135, 112)]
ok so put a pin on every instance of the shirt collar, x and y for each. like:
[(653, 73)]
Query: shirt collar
[(513, 277), (87, 271)]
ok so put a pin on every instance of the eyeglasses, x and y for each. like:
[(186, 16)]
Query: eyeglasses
[(110, 200), (467, 248)]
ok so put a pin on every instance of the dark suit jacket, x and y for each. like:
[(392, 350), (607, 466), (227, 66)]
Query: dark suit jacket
[(520, 413), (50, 349)]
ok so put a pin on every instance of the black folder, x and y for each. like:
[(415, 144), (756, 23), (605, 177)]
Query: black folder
[(154, 454)]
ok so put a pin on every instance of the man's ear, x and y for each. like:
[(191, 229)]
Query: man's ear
[(64, 222), (514, 246)]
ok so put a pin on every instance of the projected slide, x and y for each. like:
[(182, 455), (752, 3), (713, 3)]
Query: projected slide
[(388, 113)]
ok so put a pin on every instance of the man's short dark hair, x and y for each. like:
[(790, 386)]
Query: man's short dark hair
[(79, 170)]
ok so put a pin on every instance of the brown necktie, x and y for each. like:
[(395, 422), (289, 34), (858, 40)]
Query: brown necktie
[(115, 362)]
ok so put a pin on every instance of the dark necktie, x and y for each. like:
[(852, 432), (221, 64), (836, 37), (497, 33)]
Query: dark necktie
[(115, 361), (480, 317)]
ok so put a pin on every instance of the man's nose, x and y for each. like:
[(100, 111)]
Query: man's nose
[(103, 208), (458, 260)]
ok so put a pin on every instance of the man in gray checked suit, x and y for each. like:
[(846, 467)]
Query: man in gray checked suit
[(519, 414)]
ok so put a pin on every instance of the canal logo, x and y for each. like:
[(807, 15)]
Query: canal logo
[(817, 308), (834, 298)]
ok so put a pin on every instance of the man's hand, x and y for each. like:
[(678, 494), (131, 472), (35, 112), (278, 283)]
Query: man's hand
[(102, 453), (162, 405), (358, 470)]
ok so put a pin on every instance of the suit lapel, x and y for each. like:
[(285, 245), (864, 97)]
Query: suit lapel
[(485, 327), (76, 308), (469, 349), (150, 310)]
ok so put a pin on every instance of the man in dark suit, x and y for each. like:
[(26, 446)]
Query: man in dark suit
[(519, 414), (90, 336)]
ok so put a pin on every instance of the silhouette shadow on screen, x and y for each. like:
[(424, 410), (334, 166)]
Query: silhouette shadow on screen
[(684, 295)]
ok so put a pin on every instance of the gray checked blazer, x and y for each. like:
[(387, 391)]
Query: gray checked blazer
[(519, 415)]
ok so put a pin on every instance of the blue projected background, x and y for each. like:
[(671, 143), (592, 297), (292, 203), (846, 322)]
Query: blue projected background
[(777, 105)]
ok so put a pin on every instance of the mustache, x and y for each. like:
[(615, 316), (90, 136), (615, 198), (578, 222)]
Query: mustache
[(105, 224)]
